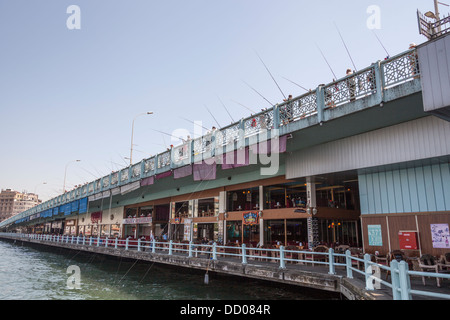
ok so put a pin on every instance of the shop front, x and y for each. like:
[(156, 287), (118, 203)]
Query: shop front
[(138, 222), (243, 228), (70, 228)]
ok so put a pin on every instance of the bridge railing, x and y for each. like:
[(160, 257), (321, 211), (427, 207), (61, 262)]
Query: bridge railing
[(372, 272)]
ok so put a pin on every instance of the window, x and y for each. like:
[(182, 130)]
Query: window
[(245, 199), (208, 207), (180, 209), (287, 195)]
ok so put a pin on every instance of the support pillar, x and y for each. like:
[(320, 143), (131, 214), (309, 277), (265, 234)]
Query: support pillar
[(313, 230)]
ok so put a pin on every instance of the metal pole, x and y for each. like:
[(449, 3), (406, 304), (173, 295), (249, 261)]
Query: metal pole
[(65, 174), (348, 260), (244, 255), (436, 13), (395, 280), (331, 261), (404, 281), (282, 262), (132, 134)]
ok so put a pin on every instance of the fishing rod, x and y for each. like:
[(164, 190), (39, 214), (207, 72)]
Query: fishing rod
[(167, 134), (348, 52), (225, 109), (244, 106), (296, 84), (388, 55), (213, 117), (271, 104), (195, 123), (271, 75), (326, 62)]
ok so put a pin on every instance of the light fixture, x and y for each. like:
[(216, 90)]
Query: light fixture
[(431, 15)]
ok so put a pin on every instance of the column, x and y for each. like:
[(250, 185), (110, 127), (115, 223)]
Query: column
[(313, 229)]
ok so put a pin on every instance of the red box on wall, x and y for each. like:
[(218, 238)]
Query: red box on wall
[(408, 240)]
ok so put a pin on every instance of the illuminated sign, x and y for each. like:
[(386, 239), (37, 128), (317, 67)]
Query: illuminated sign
[(250, 218)]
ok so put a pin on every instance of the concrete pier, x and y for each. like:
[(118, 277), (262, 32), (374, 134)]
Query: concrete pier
[(316, 277)]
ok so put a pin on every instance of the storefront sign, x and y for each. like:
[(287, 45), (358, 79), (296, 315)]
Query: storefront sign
[(250, 218), (374, 234), (187, 229), (407, 240), (140, 220), (71, 222), (96, 217), (440, 235)]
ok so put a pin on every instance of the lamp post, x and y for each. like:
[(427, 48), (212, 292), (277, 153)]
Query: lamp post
[(65, 174), (132, 134)]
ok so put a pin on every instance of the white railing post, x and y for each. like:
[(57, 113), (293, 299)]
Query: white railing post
[(153, 245), (348, 261), (116, 243), (126, 244), (98, 241), (282, 262), (90, 241), (331, 261), (214, 251), (244, 255), (395, 278), (367, 271), (405, 285), (170, 247), (106, 242), (139, 245), (190, 249)]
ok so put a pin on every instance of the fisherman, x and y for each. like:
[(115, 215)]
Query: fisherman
[(288, 110), (414, 61), (351, 85)]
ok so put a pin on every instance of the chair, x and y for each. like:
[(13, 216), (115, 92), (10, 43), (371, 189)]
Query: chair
[(318, 257), (444, 262), (291, 255), (266, 254), (383, 260), (341, 250), (428, 263)]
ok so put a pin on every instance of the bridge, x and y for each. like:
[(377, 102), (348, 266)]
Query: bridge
[(384, 94), (362, 161)]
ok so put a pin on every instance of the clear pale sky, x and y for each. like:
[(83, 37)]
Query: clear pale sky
[(72, 94)]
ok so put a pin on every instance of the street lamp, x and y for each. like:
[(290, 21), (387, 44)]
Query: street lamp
[(132, 133), (65, 174)]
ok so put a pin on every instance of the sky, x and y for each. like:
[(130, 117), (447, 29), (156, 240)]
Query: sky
[(71, 94)]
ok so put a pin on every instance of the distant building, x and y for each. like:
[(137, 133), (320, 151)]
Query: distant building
[(14, 202)]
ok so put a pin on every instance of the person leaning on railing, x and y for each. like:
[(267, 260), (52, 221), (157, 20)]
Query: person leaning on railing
[(414, 61)]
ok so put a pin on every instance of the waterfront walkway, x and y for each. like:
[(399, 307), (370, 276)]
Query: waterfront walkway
[(307, 269)]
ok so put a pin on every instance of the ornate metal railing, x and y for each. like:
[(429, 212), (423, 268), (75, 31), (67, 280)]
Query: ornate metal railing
[(430, 29), (401, 68), (369, 82), (350, 88)]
